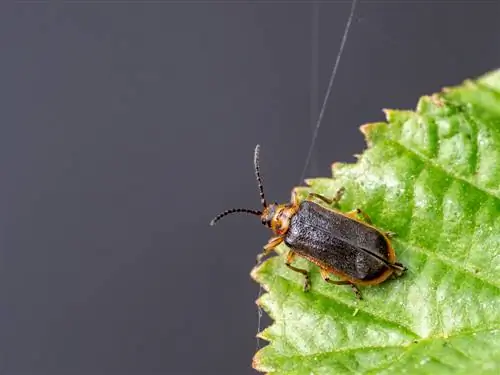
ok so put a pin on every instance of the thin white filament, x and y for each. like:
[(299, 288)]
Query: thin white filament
[(259, 319), (328, 90)]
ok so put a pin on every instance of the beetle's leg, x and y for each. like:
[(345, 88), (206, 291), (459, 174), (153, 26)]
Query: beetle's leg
[(390, 234), (326, 276), (357, 213), (295, 198), (338, 195), (271, 244), (333, 201), (289, 259)]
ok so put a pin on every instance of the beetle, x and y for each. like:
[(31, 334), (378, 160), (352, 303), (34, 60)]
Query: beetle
[(344, 244)]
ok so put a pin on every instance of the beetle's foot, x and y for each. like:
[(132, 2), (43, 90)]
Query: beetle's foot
[(340, 192), (338, 196), (390, 234), (399, 269), (356, 292), (307, 284)]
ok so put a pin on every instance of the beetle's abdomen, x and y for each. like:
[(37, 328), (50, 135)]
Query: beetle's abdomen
[(338, 241)]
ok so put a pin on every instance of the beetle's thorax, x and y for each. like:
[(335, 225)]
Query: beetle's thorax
[(278, 217)]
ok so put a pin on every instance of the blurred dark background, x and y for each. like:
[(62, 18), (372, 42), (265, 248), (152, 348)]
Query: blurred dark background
[(125, 126)]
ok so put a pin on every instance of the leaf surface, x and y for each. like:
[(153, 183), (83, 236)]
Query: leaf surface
[(431, 176)]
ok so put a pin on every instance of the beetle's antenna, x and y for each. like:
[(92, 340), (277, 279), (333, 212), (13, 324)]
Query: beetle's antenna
[(232, 211), (257, 175)]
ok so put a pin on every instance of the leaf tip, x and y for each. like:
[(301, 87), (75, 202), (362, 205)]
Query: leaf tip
[(391, 114), (336, 166), (371, 130), (437, 100), (367, 128), (259, 304), (387, 111), (254, 274), (260, 271), (469, 82), (256, 360)]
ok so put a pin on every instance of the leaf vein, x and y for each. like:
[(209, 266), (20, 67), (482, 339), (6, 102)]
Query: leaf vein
[(426, 161), (445, 260)]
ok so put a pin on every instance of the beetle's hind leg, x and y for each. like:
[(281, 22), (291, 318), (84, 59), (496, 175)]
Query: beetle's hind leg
[(326, 276), (289, 259)]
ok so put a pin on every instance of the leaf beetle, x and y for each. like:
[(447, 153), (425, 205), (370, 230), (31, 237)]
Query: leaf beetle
[(344, 244)]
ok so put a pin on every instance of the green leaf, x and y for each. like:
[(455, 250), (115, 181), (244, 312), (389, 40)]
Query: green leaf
[(432, 176)]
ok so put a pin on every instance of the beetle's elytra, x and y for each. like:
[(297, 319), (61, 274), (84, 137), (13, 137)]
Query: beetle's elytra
[(344, 244)]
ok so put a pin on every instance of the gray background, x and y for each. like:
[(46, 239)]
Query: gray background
[(125, 127)]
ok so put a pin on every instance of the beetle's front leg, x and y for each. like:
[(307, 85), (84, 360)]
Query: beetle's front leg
[(334, 201), (270, 246), (289, 259), (295, 198)]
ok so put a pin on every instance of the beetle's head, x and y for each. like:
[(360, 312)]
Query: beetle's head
[(270, 216), (277, 217)]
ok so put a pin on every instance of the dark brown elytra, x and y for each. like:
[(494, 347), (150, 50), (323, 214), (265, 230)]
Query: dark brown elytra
[(343, 244)]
